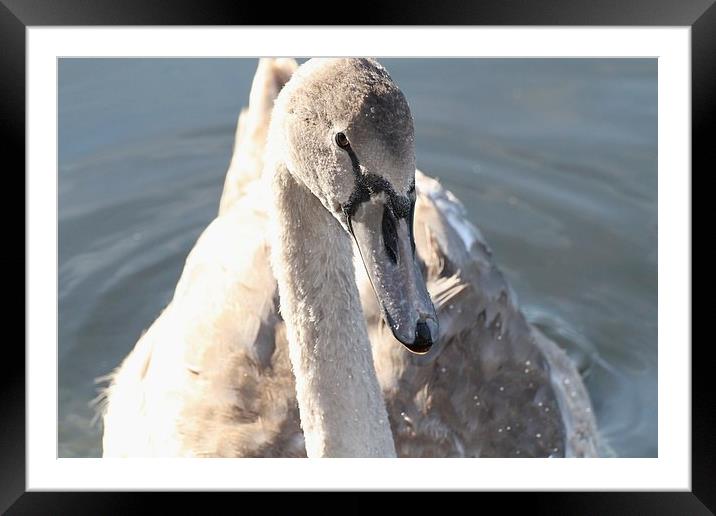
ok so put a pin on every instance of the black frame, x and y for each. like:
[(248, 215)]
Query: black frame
[(16, 15)]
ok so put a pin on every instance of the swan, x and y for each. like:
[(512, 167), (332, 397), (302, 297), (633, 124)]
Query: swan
[(491, 386)]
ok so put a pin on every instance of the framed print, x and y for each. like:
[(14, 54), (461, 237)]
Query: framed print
[(567, 135)]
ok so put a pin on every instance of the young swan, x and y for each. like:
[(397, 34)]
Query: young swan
[(341, 161)]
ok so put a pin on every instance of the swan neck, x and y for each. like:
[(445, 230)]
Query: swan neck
[(340, 402)]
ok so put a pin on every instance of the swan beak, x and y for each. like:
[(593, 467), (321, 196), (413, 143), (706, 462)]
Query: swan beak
[(387, 249)]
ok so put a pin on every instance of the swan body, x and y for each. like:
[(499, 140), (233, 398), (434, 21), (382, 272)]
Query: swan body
[(219, 371)]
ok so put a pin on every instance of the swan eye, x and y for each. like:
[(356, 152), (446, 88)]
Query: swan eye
[(342, 140)]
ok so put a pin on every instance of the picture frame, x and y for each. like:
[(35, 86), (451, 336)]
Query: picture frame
[(16, 16)]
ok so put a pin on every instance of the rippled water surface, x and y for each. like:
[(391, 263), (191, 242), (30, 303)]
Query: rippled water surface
[(555, 160)]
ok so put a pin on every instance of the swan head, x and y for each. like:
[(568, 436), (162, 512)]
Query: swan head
[(348, 136)]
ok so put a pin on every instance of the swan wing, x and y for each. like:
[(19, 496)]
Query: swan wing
[(492, 386), (211, 376)]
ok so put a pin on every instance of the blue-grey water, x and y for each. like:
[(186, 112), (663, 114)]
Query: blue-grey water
[(554, 159)]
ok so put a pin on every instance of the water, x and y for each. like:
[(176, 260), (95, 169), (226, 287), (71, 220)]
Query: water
[(555, 161)]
